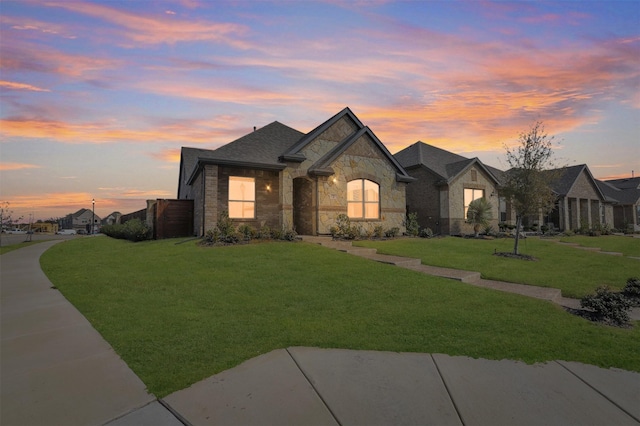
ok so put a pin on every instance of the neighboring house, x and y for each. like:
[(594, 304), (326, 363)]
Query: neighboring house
[(285, 179), (623, 197), (111, 219), (580, 200), (81, 220), (445, 185)]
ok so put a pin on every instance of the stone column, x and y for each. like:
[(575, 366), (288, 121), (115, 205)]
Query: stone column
[(578, 212), (589, 213), (565, 214)]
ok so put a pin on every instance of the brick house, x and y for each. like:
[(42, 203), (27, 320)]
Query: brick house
[(445, 185), (580, 200), (623, 202), (285, 179)]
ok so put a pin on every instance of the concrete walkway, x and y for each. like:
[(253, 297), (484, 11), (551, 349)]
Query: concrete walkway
[(55, 367), (470, 277), (57, 370)]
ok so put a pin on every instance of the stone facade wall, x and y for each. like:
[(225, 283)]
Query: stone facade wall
[(457, 221), (584, 188), (362, 160), (195, 193), (210, 196)]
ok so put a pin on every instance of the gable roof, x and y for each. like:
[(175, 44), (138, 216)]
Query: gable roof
[(443, 163), (322, 167), (625, 183), (619, 195), (293, 153), (563, 184), (259, 149)]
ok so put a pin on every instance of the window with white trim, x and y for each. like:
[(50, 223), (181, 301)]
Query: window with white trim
[(363, 199), (242, 197), (470, 195)]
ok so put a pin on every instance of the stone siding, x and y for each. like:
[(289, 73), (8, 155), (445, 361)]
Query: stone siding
[(457, 221)]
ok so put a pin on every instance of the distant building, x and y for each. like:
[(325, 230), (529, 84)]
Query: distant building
[(81, 221)]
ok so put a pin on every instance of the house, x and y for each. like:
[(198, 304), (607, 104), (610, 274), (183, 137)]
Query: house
[(445, 185), (285, 179), (81, 220), (580, 202), (624, 201), (112, 218)]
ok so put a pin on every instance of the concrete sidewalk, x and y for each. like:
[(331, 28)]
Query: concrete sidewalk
[(305, 386), (57, 370)]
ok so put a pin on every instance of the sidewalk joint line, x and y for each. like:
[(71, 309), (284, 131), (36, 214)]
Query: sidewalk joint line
[(600, 393), (455, 406), (175, 414), (335, 417)]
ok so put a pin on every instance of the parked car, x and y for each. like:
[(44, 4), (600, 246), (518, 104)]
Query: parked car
[(66, 232), (81, 232), (15, 231)]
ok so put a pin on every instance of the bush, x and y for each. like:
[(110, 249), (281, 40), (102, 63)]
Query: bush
[(632, 291), (133, 230), (608, 306), (392, 233), (426, 233), (343, 228), (411, 223), (247, 232)]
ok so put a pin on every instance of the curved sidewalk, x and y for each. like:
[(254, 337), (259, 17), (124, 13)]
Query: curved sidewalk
[(57, 370)]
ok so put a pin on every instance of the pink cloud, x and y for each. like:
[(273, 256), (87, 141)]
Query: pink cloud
[(17, 166), (11, 85)]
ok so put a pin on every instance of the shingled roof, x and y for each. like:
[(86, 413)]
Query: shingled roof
[(444, 163), (259, 149)]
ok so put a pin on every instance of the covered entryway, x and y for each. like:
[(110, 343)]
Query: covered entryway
[(303, 206)]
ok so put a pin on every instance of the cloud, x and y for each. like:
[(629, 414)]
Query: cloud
[(171, 155), (149, 30), (17, 166), (101, 132), (11, 85)]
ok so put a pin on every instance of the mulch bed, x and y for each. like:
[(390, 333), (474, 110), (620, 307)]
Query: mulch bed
[(593, 317), (515, 256)]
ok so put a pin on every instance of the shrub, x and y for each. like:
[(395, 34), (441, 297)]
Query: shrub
[(247, 232), (133, 230), (289, 235), (411, 223), (608, 306), (392, 233), (632, 291), (426, 233), (343, 228), (378, 231)]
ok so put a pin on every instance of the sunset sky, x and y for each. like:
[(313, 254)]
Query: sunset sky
[(98, 97)]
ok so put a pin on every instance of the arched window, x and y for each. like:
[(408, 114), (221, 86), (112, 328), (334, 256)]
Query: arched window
[(363, 199)]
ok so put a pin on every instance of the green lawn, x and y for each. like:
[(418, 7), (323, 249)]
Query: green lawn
[(576, 272), (178, 313), (628, 246)]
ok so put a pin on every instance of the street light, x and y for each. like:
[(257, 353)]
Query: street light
[(93, 214)]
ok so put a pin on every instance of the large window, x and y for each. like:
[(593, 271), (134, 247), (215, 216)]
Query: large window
[(469, 196), (242, 197), (363, 199)]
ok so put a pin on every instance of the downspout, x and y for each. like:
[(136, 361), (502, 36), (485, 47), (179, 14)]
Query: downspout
[(317, 208), (204, 175)]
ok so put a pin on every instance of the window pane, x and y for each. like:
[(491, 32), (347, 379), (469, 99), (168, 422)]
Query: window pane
[(468, 197), (371, 210), (370, 191), (354, 210), (354, 190), (242, 189), (241, 210)]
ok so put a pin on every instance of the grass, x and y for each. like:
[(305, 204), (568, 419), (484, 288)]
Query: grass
[(12, 247), (628, 246), (178, 313), (576, 272)]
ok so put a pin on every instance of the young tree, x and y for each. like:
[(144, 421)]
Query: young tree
[(6, 214), (527, 185), (479, 214)]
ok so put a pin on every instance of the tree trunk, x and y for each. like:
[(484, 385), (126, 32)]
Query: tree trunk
[(517, 241)]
